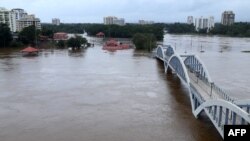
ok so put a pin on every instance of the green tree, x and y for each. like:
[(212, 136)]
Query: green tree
[(139, 41), (5, 35), (47, 32), (144, 41), (202, 31), (77, 42), (180, 28), (61, 44), (28, 35)]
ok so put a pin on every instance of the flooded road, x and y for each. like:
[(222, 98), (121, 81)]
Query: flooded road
[(96, 95)]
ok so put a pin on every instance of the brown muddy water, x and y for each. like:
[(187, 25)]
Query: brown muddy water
[(95, 95)]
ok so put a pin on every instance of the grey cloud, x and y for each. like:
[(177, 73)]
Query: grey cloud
[(131, 10)]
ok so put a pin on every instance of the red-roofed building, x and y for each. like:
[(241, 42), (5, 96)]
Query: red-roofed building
[(43, 38), (100, 35), (60, 36), (112, 44), (30, 51)]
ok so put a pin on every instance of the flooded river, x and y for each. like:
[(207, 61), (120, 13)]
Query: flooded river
[(95, 95)]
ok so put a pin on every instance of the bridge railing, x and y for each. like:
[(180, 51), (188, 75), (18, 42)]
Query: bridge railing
[(222, 93), (218, 90)]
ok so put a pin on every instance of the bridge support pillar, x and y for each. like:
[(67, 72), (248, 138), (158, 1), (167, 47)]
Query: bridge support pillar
[(234, 118), (226, 116), (220, 116), (215, 111)]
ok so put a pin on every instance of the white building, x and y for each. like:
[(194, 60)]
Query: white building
[(227, 18), (19, 13), (144, 22), (120, 21), (109, 20), (211, 22), (28, 21), (17, 19), (56, 21), (190, 20), (202, 23), (8, 17), (198, 23), (113, 20)]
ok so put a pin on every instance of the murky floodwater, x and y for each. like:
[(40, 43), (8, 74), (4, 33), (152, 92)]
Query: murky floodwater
[(96, 95)]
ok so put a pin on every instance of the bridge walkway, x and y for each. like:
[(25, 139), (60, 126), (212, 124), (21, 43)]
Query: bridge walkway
[(203, 88)]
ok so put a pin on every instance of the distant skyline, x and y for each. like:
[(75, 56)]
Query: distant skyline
[(93, 11)]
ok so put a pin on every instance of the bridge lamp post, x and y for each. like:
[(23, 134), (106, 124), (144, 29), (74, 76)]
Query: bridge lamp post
[(197, 75), (212, 83)]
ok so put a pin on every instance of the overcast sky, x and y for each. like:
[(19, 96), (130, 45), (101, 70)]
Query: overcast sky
[(93, 11)]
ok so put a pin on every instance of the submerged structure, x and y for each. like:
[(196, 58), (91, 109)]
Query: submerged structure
[(112, 44), (30, 51)]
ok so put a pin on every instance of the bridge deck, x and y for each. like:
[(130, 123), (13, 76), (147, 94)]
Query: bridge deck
[(202, 88)]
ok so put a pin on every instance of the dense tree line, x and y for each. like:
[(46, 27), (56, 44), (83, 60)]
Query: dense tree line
[(68, 28), (116, 31), (236, 30), (5, 35), (180, 28)]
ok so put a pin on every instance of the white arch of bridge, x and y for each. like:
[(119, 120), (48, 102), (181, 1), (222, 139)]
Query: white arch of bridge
[(173, 61)]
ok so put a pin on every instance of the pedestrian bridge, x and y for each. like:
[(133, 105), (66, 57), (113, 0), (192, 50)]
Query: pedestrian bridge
[(205, 95)]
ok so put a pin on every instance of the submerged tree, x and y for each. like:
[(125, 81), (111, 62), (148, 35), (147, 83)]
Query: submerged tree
[(77, 42), (144, 41), (61, 44)]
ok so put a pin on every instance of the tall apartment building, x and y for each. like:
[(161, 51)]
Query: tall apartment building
[(227, 18), (56, 21), (144, 22), (210, 22), (27, 21), (120, 21), (109, 20), (8, 17), (113, 20), (190, 20), (19, 13), (202, 23)]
